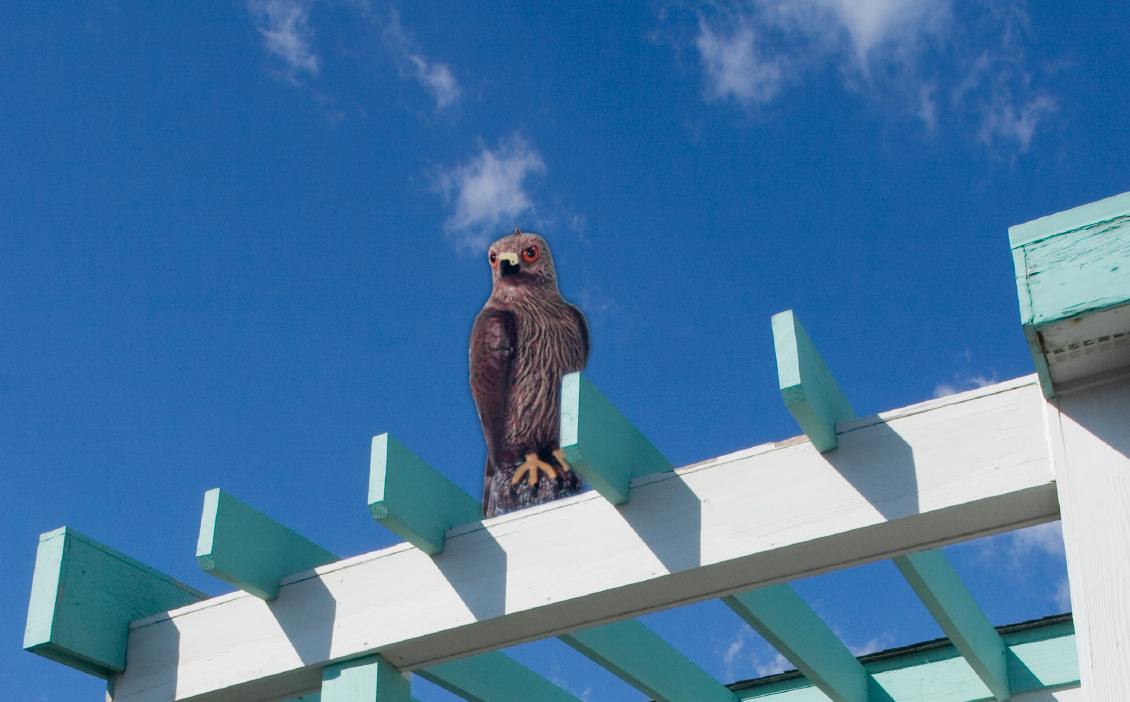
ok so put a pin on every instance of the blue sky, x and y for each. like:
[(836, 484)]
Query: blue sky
[(239, 239)]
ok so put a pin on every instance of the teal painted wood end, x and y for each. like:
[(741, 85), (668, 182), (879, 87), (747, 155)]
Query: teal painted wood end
[(249, 550), (83, 598), (790, 626), (600, 444), (807, 386), (641, 658), (412, 499), (369, 679), (493, 677), (938, 585), (1073, 287)]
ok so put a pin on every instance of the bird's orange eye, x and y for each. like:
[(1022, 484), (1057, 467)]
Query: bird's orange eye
[(530, 255), (493, 258)]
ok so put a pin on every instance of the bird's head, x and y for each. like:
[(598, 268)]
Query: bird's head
[(520, 261)]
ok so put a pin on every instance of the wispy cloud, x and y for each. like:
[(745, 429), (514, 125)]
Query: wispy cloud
[(962, 382), (489, 191), (876, 644), (936, 61), (285, 28), (434, 76), (747, 655), (735, 67), (1013, 550)]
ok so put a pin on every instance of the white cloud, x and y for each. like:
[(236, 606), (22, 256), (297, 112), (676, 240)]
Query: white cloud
[(913, 58), (734, 66), (961, 383), (1063, 595), (489, 191), (876, 644), (1006, 120), (747, 655), (284, 25), (435, 77)]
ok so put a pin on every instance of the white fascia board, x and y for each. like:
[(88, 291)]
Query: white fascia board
[(932, 474)]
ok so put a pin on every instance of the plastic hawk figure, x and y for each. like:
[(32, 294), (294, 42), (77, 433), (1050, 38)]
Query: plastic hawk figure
[(526, 337)]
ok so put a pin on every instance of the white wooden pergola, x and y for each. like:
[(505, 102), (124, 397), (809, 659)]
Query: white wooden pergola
[(898, 485)]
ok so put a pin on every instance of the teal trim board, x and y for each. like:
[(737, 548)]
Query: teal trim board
[(641, 658), (807, 386), (493, 677), (790, 626), (412, 499), (940, 588), (83, 597), (600, 444), (369, 679), (1073, 287), (1040, 657), (247, 549)]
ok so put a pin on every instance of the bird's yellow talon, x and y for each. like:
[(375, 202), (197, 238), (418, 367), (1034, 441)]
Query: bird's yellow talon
[(532, 465), (560, 456)]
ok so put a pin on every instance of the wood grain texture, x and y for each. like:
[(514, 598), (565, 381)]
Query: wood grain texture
[(601, 444), (83, 597), (938, 585), (247, 549), (641, 658), (1091, 444), (926, 475), (412, 499), (807, 386)]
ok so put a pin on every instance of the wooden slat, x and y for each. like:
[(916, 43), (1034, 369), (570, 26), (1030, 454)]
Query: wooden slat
[(930, 474), (370, 679), (601, 444), (790, 626), (641, 658), (493, 677), (414, 500), (84, 596), (807, 386), (940, 588), (247, 549)]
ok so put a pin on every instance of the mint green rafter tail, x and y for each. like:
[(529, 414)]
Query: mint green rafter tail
[(412, 499), (600, 444), (807, 386), (247, 549), (84, 596)]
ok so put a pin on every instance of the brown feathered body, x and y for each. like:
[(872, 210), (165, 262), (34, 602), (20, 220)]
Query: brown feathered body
[(526, 337)]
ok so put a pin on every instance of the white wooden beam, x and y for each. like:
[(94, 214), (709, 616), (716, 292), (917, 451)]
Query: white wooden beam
[(790, 626), (1091, 447), (930, 474)]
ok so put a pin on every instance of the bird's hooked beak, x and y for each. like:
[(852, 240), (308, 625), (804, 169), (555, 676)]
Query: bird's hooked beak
[(508, 264)]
